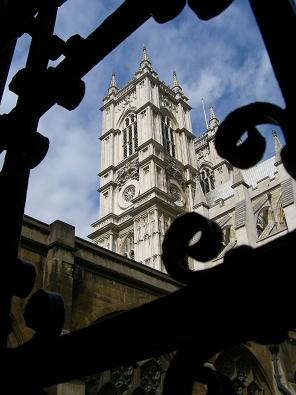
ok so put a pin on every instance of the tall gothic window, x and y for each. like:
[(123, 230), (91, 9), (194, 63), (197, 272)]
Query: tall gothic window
[(243, 371), (282, 223), (128, 246), (207, 179), (168, 136), (262, 220), (226, 233), (130, 135)]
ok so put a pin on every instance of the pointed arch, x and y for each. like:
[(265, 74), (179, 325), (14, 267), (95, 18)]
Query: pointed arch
[(227, 234), (119, 123), (129, 132), (262, 220), (167, 113), (128, 245), (207, 178), (168, 134), (280, 217), (244, 370)]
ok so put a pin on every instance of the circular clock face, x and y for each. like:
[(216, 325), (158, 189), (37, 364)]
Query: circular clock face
[(129, 193)]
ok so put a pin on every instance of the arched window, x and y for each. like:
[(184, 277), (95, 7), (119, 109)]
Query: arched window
[(226, 235), (207, 179), (168, 136), (262, 220), (128, 246), (241, 367), (280, 216), (130, 135)]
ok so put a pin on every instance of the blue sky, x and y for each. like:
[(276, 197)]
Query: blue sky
[(222, 60)]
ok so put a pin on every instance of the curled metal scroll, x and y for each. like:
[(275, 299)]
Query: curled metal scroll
[(206, 9), (244, 119), (176, 244)]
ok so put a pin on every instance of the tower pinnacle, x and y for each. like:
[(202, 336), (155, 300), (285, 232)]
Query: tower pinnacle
[(145, 64), (145, 54), (175, 80), (214, 121), (113, 84), (113, 81), (212, 113), (176, 86), (277, 147)]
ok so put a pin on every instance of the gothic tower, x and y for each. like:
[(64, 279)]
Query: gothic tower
[(147, 164)]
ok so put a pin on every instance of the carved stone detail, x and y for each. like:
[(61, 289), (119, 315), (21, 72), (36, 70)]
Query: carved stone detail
[(151, 377), (130, 171), (173, 171), (122, 377), (127, 102), (165, 102)]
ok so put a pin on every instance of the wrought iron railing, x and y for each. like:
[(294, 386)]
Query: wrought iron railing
[(55, 359)]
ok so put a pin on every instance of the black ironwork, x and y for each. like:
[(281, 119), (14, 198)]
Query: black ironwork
[(55, 359)]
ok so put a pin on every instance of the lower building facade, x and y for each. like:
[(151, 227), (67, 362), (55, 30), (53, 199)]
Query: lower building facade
[(96, 282)]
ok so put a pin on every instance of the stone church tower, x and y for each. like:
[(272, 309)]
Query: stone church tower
[(147, 164), (153, 169)]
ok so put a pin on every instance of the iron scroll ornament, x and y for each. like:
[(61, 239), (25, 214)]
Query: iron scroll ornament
[(55, 359)]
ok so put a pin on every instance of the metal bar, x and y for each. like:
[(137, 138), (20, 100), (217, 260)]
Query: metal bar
[(16, 169), (277, 26), (6, 58), (86, 53), (14, 17)]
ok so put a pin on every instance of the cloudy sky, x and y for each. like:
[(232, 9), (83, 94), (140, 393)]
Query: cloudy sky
[(222, 61)]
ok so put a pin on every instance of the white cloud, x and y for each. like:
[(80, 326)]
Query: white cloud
[(60, 186)]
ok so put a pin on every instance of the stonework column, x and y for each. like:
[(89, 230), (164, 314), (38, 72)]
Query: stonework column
[(245, 227), (74, 387), (58, 271)]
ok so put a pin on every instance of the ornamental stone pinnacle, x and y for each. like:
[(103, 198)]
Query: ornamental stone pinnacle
[(277, 147), (113, 84), (145, 64), (145, 54), (214, 121), (176, 86)]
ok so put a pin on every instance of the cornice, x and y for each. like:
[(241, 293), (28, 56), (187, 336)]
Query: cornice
[(185, 131), (108, 132), (107, 185)]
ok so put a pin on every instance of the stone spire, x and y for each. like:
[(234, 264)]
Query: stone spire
[(145, 64), (212, 113), (277, 148), (214, 121), (175, 80), (145, 55), (113, 85), (176, 86)]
